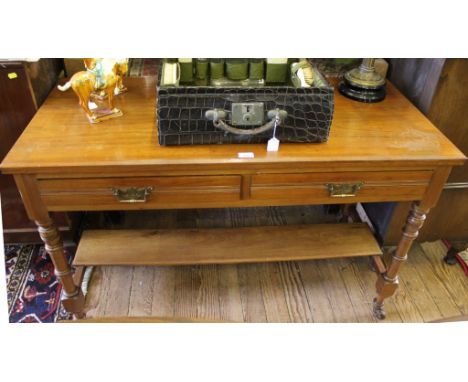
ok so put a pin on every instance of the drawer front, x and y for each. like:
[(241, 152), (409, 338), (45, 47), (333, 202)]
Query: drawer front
[(340, 187), (139, 192)]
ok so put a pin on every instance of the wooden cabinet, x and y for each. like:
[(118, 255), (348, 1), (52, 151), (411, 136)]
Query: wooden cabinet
[(439, 88), (23, 88)]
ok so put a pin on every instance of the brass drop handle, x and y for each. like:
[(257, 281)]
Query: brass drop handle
[(343, 190), (132, 194)]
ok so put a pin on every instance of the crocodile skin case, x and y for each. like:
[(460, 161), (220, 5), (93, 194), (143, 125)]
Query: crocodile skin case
[(185, 114)]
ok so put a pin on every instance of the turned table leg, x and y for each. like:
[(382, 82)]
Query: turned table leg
[(387, 282), (73, 298)]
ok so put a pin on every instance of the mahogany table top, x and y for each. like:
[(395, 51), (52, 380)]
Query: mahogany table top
[(60, 139)]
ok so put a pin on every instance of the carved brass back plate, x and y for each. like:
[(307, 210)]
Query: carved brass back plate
[(343, 190), (132, 194)]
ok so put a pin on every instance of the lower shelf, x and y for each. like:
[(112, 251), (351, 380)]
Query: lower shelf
[(225, 245)]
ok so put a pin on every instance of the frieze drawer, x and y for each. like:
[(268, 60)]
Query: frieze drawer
[(339, 187), (139, 192)]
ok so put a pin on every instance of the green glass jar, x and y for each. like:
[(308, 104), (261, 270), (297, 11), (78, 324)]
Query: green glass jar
[(256, 68), (237, 68), (276, 70), (216, 68), (201, 68), (186, 70)]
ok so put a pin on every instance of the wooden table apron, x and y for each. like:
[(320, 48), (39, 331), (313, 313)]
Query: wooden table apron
[(62, 163)]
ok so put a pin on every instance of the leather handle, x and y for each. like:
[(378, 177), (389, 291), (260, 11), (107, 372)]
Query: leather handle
[(218, 116)]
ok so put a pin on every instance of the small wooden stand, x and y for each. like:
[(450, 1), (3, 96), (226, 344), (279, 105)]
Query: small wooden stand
[(104, 115)]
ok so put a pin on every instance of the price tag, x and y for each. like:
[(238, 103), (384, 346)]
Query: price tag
[(273, 144), (12, 75), (246, 155)]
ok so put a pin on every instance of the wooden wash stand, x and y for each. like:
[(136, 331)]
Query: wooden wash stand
[(386, 151)]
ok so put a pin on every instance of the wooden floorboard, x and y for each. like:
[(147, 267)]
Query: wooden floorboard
[(434, 286), (416, 287), (253, 306), (319, 304), (118, 298), (187, 283), (458, 285), (356, 292), (207, 301), (295, 294), (229, 294), (274, 298), (334, 290), (163, 292), (141, 293), (418, 294)]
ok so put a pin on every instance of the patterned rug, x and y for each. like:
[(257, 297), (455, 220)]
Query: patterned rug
[(139, 67), (33, 292)]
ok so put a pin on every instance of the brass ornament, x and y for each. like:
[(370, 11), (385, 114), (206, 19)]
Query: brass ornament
[(101, 80), (343, 190), (132, 194), (363, 84)]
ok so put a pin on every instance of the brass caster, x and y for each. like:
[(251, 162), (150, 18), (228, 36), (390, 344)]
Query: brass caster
[(378, 310), (93, 118), (79, 316), (451, 256)]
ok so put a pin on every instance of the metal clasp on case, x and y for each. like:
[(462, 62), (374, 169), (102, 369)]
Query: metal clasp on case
[(275, 116)]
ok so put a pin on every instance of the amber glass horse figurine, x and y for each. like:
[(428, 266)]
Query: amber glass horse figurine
[(103, 76)]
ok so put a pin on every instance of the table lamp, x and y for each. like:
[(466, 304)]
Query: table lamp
[(363, 84)]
